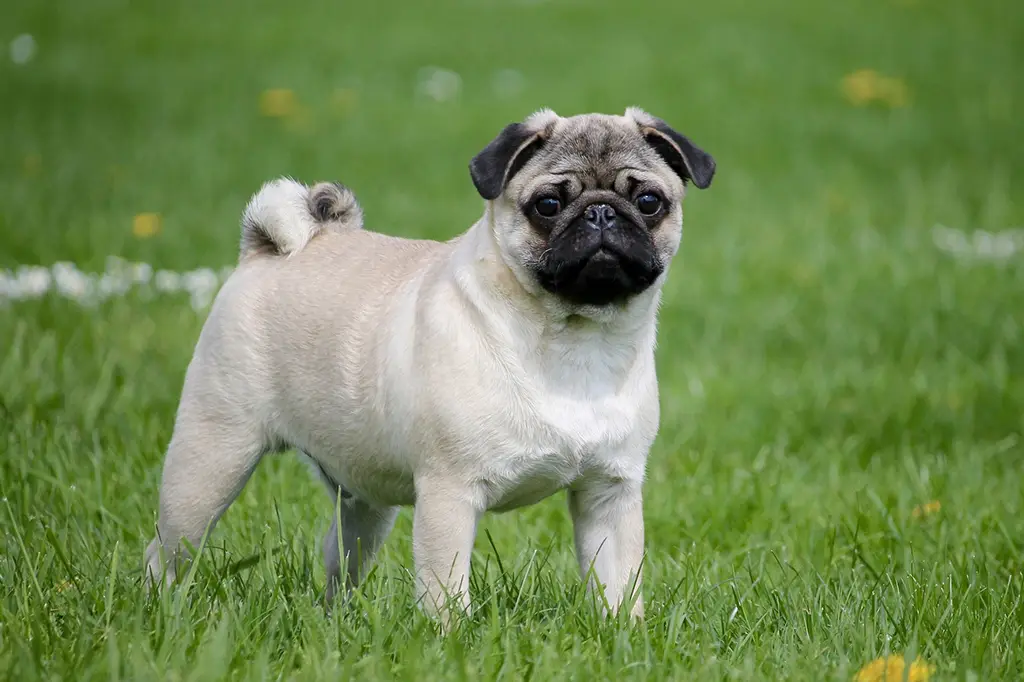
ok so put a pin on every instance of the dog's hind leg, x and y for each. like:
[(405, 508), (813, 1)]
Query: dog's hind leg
[(364, 529), (211, 455)]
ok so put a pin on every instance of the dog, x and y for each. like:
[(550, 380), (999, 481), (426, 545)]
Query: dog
[(483, 373)]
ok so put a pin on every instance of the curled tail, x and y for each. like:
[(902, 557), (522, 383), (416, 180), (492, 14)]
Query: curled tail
[(285, 215)]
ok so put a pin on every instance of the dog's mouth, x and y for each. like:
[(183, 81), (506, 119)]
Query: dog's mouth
[(600, 264)]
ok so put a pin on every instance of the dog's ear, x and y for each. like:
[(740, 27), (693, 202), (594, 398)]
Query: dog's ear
[(690, 162), (500, 160)]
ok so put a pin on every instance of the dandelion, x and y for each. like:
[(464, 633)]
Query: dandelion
[(278, 103), (864, 86), (281, 103), (891, 669), (926, 509), (859, 86), (146, 225)]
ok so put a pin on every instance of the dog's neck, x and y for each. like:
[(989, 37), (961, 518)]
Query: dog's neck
[(584, 356)]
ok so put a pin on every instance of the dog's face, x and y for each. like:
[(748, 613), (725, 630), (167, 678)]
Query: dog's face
[(588, 208)]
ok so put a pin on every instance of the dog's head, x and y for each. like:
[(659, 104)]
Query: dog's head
[(588, 208)]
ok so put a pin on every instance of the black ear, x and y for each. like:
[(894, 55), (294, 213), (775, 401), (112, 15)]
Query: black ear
[(689, 161), (499, 161)]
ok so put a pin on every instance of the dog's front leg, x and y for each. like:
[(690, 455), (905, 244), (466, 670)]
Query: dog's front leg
[(608, 521), (444, 528)]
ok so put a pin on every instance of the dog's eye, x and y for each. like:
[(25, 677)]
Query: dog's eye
[(547, 206), (648, 203)]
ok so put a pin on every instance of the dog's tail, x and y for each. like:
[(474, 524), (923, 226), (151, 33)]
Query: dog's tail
[(285, 215)]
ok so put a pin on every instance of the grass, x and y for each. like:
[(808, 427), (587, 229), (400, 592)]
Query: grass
[(825, 369)]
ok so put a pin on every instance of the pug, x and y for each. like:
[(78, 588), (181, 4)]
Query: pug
[(483, 373)]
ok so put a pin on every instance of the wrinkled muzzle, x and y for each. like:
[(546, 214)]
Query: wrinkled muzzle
[(600, 258)]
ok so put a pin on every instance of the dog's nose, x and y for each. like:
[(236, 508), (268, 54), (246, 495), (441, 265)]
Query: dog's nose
[(601, 216)]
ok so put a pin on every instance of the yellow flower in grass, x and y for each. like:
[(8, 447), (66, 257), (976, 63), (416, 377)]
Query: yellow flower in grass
[(859, 86), (282, 103), (892, 669), (278, 103), (146, 225), (865, 86), (926, 509)]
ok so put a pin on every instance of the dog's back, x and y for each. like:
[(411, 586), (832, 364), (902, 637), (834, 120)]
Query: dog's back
[(305, 310)]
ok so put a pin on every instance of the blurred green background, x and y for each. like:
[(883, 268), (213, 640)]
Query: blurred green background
[(839, 473)]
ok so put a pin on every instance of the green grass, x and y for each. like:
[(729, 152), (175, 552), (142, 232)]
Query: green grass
[(824, 368)]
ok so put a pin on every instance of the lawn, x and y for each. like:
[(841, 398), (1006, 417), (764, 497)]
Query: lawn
[(839, 474)]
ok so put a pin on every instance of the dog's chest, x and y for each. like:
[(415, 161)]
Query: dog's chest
[(579, 421)]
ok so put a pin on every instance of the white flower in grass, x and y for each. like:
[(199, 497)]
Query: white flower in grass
[(23, 49), (167, 281), (981, 244), (70, 282), (142, 273), (114, 284), (119, 277), (440, 85), (201, 285), (9, 286), (32, 281)]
